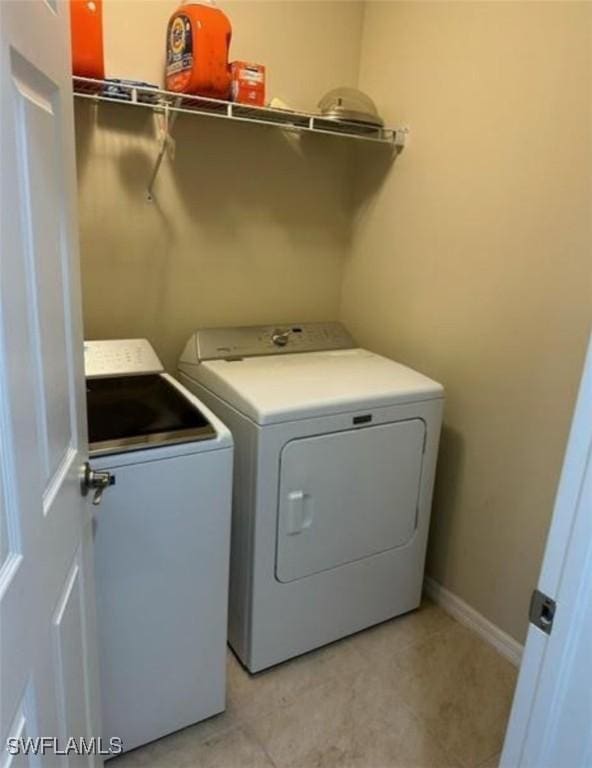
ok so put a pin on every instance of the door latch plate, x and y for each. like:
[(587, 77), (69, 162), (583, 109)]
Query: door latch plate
[(542, 611)]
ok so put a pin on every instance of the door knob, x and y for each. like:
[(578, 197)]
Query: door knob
[(97, 481)]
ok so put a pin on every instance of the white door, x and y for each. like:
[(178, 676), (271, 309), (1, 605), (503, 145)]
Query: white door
[(47, 652), (347, 495), (551, 721)]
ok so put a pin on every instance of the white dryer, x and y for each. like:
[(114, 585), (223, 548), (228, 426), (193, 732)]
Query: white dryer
[(335, 454)]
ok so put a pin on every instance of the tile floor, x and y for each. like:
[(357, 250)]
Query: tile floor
[(420, 691)]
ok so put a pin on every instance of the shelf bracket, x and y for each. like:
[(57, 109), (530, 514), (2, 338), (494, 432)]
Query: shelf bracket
[(166, 142), (400, 137)]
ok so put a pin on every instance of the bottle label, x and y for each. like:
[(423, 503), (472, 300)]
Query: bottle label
[(179, 46)]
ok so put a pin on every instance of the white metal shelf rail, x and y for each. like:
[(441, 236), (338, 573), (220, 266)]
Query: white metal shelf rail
[(170, 105)]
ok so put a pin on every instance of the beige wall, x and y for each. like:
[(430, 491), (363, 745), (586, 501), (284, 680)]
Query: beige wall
[(472, 262), (250, 225)]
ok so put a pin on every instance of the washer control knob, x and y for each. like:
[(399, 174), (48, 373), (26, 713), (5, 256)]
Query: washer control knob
[(280, 338)]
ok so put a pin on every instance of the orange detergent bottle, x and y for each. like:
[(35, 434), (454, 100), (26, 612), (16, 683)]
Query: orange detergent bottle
[(86, 28), (198, 39)]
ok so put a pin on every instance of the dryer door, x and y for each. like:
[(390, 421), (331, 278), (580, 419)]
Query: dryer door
[(346, 496)]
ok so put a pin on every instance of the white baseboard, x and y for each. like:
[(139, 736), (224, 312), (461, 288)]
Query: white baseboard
[(508, 647)]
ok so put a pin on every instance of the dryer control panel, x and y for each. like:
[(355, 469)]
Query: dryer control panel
[(120, 357), (257, 340)]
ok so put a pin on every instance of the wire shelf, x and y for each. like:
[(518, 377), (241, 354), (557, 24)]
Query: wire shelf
[(165, 101), (170, 105)]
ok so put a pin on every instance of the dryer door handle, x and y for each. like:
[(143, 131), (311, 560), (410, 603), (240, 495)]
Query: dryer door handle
[(299, 512)]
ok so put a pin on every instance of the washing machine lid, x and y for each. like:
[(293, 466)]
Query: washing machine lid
[(131, 413), (288, 387)]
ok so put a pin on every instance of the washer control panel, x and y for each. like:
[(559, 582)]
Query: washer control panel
[(120, 357), (257, 340)]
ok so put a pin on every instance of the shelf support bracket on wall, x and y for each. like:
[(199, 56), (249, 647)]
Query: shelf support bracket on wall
[(400, 138), (166, 142)]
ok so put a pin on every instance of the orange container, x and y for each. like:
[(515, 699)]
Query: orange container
[(247, 83), (86, 27), (198, 39)]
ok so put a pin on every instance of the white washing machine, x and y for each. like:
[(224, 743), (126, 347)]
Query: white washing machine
[(161, 544), (335, 454)]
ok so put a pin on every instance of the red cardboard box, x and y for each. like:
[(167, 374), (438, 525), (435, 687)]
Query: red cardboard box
[(247, 83)]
